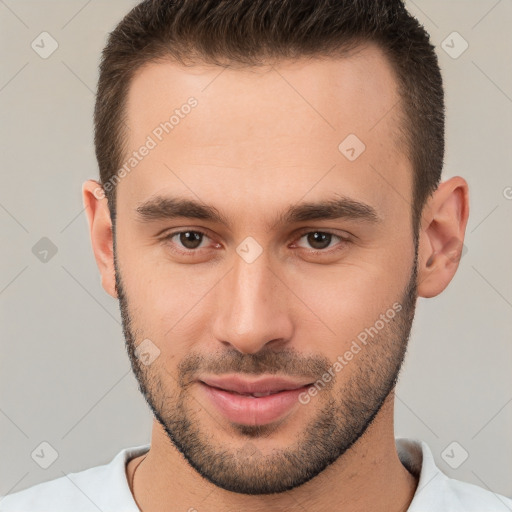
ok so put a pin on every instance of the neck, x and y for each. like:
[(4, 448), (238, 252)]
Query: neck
[(369, 476)]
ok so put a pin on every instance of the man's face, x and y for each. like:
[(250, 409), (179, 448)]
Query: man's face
[(263, 294)]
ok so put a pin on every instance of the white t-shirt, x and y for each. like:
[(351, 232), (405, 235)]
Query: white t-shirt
[(105, 488)]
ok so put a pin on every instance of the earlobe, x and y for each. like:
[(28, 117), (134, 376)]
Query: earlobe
[(441, 239), (100, 230)]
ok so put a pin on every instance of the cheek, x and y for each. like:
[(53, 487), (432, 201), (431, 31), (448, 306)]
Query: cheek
[(171, 304), (345, 301)]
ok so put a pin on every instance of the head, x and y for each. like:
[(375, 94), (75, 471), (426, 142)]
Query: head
[(269, 204)]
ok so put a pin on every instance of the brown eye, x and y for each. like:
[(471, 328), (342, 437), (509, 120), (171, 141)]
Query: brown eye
[(319, 240), (190, 239), (185, 241)]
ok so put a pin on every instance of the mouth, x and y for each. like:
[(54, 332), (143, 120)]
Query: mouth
[(253, 395), (261, 386), (254, 402)]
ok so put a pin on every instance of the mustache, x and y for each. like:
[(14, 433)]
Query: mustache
[(269, 362)]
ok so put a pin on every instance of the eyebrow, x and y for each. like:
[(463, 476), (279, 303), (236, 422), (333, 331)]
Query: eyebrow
[(165, 208)]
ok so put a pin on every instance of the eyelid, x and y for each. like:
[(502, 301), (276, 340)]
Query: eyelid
[(304, 231), (344, 238), (171, 234)]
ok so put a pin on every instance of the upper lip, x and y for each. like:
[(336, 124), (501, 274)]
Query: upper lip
[(271, 384)]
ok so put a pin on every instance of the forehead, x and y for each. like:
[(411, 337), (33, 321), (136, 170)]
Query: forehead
[(276, 127)]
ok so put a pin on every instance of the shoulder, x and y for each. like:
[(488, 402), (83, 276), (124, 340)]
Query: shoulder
[(60, 493), (472, 498), (97, 488), (438, 492)]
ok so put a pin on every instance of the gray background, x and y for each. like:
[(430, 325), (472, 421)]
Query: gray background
[(64, 375)]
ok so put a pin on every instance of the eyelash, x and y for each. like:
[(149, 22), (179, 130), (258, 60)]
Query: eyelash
[(191, 252)]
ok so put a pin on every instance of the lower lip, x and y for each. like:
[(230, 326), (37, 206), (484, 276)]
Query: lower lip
[(253, 411)]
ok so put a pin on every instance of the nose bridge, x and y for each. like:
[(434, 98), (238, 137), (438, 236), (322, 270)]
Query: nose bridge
[(252, 309)]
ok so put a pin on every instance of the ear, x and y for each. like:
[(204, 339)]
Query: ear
[(100, 229), (441, 237)]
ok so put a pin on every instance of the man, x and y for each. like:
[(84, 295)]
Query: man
[(269, 210)]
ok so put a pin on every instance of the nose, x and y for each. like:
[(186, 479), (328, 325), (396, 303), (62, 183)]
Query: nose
[(253, 307)]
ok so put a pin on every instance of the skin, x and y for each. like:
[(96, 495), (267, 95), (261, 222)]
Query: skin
[(259, 141)]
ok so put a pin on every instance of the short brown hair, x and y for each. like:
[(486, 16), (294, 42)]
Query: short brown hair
[(252, 32)]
